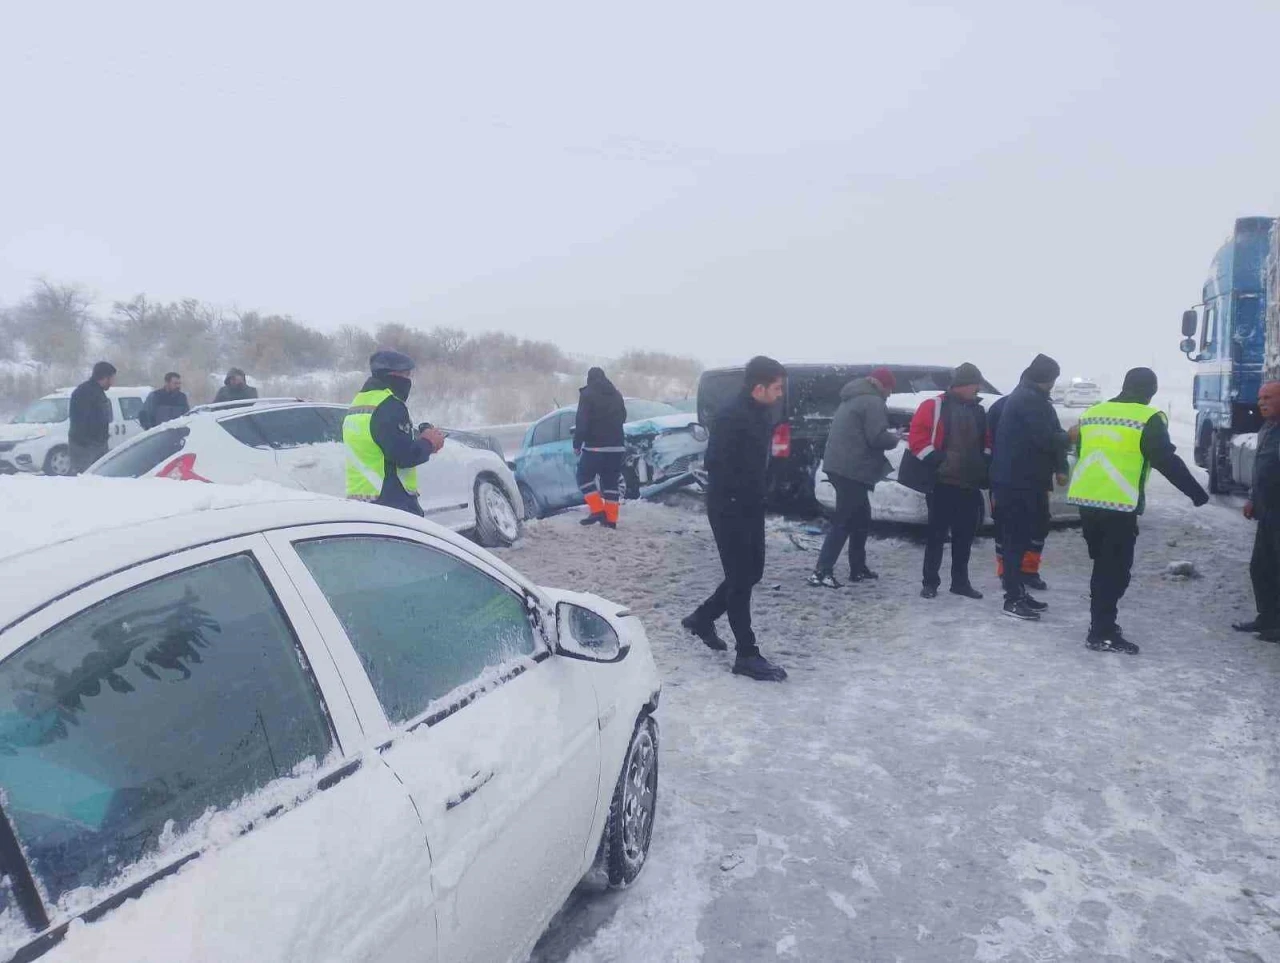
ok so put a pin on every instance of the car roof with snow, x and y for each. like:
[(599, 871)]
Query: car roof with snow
[(115, 391), (61, 533)]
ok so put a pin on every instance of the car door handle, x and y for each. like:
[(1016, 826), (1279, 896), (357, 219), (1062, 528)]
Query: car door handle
[(473, 786), (308, 464)]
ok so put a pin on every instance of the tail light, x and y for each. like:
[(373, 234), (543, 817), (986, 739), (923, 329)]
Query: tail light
[(181, 468), (782, 440)]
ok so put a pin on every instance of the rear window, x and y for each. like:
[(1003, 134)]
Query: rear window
[(281, 428), (639, 410), (144, 455)]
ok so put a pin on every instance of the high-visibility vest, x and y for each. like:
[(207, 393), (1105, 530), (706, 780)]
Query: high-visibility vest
[(1112, 470), (366, 463)]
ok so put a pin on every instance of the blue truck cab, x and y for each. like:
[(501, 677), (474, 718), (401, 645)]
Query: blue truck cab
[(1225, 337)]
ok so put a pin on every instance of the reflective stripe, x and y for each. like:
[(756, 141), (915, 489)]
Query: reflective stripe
[(607, 451), (1112, 469), (362, 410), (1118, 422), (366, 465)]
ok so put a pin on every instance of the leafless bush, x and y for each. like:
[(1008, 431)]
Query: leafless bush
[(53, 322)]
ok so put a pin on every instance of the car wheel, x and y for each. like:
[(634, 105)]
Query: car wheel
[(635, 801), (532, 509), (497, 524), (58, 461)]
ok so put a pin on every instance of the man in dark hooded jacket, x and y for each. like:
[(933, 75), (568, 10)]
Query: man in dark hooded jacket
[(600, 444), (235, 388), (1029, 450), (90, 415)]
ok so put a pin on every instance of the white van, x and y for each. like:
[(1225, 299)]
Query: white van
[(36, 439)]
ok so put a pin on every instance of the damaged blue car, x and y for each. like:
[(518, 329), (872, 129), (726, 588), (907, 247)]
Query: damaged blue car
[(665, 448)]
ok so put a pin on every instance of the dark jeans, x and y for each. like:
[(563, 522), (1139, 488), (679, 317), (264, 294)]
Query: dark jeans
[(851, 523), (1264, 569), (956, 512), (1035, 550), (1111, 537), (82, 456), (740, 540), (600, 471), (1020, 516)]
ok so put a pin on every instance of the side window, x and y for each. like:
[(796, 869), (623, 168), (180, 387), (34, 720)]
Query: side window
[(564, 426), (129, 408), (244, 430), (292, 427), (333, 419), (1209, 335), (145, 455), (544, 432), (423, 622), (125, 724)]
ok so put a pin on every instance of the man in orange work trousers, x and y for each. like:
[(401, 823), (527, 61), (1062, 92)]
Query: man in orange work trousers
[(599, 441)]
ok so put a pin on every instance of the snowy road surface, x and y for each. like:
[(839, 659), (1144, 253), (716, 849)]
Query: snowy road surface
[(936, 782)]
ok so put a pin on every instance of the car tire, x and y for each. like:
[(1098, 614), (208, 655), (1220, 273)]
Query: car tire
[(631, 814), (58, 461), (497, 522), (532, 510)]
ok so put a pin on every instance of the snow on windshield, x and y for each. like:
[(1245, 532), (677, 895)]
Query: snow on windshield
[(46, 411)]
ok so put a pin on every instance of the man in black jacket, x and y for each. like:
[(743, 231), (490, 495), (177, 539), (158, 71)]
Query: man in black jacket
[(164, 404), (91, 417), (737, 463), (1030, 448), (599, 441), (235, 388), (1263, 507), (1033, 557), (1112, 531)]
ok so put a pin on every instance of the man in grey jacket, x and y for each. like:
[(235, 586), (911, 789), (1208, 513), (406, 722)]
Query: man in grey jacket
[(855, 462)]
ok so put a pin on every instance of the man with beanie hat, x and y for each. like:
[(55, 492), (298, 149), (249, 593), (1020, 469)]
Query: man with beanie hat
[(948, 434), (1120, 441), (235, 388), (855, 462), (1029, 449), (384, 450), (599, 441), (737, 463)]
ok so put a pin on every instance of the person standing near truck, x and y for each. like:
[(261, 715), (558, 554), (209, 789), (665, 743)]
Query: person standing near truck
[(384, 450), (855, 462), (599, 441), (949, 435), (90, 418), (1263, 507), (1121, 440), (737, 465)]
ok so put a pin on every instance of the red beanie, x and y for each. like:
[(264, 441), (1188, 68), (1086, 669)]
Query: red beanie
[(886, 378)]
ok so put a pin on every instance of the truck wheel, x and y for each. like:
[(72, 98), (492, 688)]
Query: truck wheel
[(497, 524), (58, 461), (1219, 481)]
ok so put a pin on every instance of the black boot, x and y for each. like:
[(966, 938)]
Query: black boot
[(1110, 640), (1254, 625), (1034, 581), (864, 574), (823, 580), (1018, 609), (1034, 604), (968, 591), (706, 632), (759, 668), (591, 520), (929, 592)]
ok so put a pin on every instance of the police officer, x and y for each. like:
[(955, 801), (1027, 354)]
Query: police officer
[(1121, 440), (383, 448)]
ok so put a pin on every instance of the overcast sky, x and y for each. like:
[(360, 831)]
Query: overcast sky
[(818, 181)]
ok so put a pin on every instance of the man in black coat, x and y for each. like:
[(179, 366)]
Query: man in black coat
[(164, 404), (737, 463), (91, 417), (599, 441), (1029, 450), (1033, 558), (1263, 507), (235, 388)]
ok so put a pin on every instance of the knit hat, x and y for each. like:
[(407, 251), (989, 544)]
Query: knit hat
[(886, 379), (1042, 370), (966, 374), (386, 360), (1141, 382)]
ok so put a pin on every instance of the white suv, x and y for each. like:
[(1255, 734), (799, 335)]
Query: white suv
[(465, 486), (36, 439)]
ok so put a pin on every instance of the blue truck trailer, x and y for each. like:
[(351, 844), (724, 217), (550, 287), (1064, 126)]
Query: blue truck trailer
[(1231, 336)]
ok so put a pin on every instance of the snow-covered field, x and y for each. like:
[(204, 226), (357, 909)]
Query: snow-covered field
[(936, 782)]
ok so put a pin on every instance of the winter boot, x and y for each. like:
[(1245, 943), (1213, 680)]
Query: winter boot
[(706, 632), (1269, 635), (759, 668), (1253, 625), (1110, 640), (1033, 603), (612, 526), (592, 519), (823, 580), (1032, 580), (863, 575), (1018, 609), (968, 591), (929, 592)]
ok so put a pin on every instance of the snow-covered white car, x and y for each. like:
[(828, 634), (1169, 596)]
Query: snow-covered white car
[(891, 502), (250, 723), (36, 439), (465, 486), (1080, 393)]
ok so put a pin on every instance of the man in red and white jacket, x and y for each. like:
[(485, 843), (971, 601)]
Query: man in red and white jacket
[(949, 434)]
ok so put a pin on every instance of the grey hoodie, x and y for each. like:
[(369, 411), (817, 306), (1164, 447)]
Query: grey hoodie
[(860, 435)]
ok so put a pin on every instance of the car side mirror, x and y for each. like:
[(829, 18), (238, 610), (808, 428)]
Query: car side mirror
[(1188, 345), (586, 635), (1190, 321)]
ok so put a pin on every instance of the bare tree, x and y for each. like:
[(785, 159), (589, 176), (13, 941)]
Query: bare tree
[(53, 321)]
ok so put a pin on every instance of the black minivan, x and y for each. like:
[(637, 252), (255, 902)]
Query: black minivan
[(803, 417)]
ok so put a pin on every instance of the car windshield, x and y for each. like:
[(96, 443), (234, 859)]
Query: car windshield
[(46, 411), (639, 410)]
